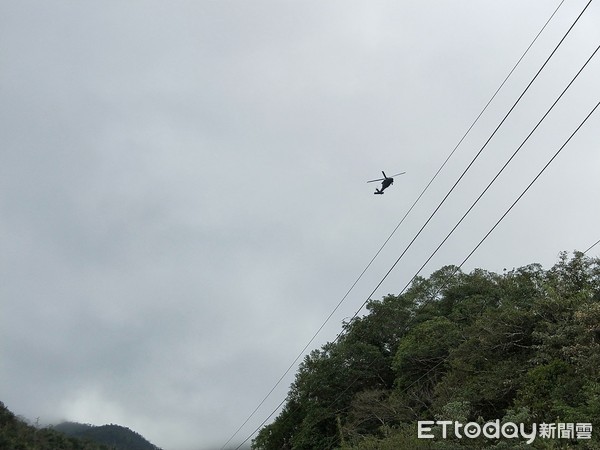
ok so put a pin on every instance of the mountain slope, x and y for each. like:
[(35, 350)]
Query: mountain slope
[(16, 434), (114, 436)]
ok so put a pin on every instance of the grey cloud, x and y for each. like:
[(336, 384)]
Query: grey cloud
[(183, 196)]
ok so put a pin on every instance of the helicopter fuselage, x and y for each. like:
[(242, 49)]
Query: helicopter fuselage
[(385, 182)]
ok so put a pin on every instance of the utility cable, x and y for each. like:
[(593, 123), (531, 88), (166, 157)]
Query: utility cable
[(593, 245), (415, 203), (531, 184), (503, 167), (474, 159), (457, 268)]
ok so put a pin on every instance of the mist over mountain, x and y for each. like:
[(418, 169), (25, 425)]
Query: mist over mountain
[(114, 436), (17, 433), (522, 347)]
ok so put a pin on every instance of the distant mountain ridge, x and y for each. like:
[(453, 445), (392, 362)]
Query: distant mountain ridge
[(114, 436), (17, 433)]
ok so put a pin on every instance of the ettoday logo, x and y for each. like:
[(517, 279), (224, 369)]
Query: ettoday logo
[(507, 430), (472, 430)]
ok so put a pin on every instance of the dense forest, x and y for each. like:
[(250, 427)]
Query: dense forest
[(522, 347), (17, 434), (114, 436)]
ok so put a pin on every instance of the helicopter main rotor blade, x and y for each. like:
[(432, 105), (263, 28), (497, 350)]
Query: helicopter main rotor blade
[(401, 173), (379, 179)]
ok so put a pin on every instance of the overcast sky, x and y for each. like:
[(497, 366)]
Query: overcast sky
[(183, 194)]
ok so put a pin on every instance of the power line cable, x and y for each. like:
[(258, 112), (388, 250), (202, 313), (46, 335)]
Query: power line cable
[(415, 203), (496, 225), (474, 158), (593, 245), (457, 268), (503, 167), (531, 184)]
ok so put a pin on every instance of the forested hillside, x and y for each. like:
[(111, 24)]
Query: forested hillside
[(16, 434), (522, 346), (115, 437)]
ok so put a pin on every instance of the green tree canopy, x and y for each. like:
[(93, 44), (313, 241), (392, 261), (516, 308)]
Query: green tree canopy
[(522, 345)]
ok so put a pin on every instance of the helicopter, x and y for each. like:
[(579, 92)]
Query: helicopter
[(385, 182)]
